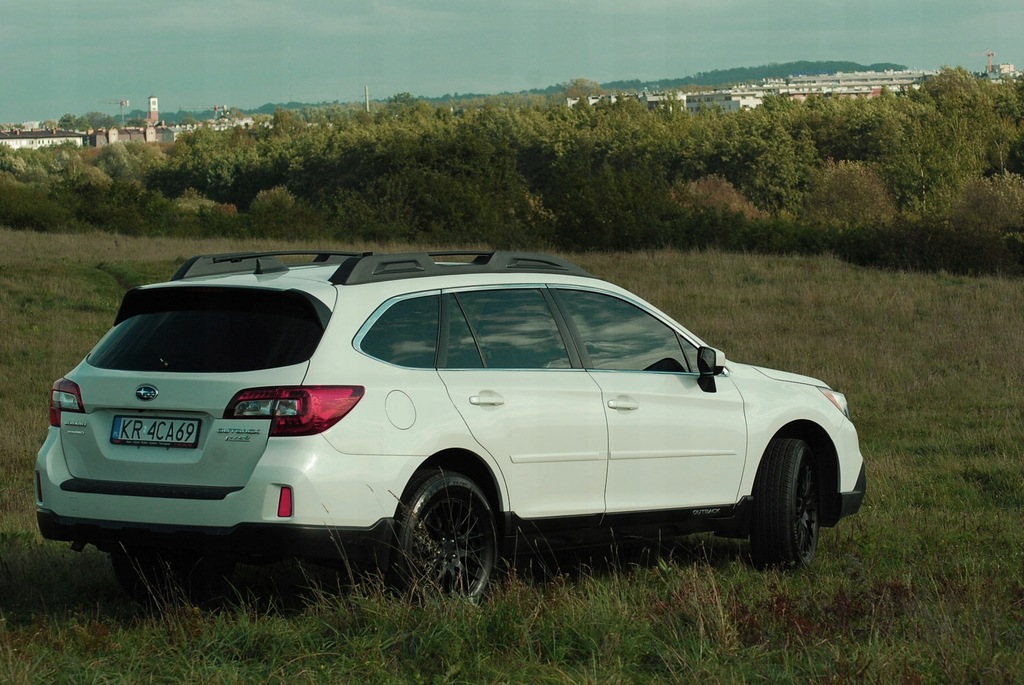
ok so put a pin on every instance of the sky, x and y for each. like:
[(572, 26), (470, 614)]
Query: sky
[(76, 56)]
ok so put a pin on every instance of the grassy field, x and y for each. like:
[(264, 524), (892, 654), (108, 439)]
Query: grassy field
[(924, 585)]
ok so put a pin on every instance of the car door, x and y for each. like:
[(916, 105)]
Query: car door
[(671, 444), (510, 374)]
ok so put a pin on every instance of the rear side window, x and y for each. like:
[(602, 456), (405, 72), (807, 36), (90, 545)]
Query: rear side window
[(211, 330), (461, 351), (405, 334), (514, 329)]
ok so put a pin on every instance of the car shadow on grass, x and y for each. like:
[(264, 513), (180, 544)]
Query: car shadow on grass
[(41, 578)]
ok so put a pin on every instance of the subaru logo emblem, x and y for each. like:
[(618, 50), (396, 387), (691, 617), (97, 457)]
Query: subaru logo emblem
[(146, 393)]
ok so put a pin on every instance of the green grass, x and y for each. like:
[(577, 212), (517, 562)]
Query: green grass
[(924, 585)]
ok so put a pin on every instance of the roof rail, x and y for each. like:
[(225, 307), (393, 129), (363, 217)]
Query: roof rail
[(373, 268), (355, 268), (255, 262)]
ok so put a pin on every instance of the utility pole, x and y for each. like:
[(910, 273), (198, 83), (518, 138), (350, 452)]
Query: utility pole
[(366, 97)]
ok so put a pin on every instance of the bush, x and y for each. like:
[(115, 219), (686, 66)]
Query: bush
[(275, 213), (848, 194), (924, 245), (714, 193), (31, 208), (996, 202)]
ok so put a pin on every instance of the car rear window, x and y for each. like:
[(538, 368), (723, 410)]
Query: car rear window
[(211, 330)]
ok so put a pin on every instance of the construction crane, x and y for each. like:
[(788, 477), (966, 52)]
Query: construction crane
[(219, 111), (990, 55), (122, 103)]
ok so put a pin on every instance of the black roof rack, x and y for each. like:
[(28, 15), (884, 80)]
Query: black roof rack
[(254, 262), (372, 268), (355, 268)]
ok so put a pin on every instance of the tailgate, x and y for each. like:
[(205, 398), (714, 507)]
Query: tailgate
[(179, 437)]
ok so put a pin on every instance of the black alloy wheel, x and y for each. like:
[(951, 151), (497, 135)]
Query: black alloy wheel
[(447, 541), (784, 531)]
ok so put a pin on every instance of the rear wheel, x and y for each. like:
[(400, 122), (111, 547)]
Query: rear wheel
[(784, 532), (447, 540)]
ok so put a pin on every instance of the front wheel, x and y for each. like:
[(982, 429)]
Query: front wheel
[(784, 532), (447, 541)]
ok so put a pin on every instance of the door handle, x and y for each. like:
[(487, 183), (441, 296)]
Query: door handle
[(487, 398), (623, 403)]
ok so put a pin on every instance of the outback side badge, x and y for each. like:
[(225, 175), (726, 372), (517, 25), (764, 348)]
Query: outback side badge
[(146, 393)]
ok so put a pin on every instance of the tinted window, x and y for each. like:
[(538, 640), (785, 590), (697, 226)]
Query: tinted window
[(619, 335), (514, 329), (461, 349), (210, 330), (405, 334)]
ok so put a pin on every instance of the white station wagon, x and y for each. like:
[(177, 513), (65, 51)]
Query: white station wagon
[(426, 414)]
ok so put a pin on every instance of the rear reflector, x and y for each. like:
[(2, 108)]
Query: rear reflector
[(64, 396), (296, 410), (284, 503)]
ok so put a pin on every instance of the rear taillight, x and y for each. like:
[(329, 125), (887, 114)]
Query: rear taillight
[(298, 410), (65, 396)]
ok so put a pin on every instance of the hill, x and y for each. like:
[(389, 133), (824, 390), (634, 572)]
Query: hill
[(728, 77), (717, 77)]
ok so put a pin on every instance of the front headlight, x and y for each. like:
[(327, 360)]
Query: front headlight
[(838, 399)]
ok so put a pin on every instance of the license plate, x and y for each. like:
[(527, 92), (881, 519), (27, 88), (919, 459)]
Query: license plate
[(155, 431)]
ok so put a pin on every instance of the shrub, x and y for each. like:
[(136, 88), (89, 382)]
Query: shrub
[(276, 213), (714, 193), (31, 208), (929, 245), (996, 202), (848, 194)]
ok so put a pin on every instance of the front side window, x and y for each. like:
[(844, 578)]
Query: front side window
[(514, 329), (618, 335), (405, 334)]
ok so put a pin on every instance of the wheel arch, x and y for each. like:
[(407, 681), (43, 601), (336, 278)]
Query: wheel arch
[(473, 467), (826, 460)]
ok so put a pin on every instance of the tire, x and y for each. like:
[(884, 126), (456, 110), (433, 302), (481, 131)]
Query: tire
[(784, 531), (152, 578), (446, 538)]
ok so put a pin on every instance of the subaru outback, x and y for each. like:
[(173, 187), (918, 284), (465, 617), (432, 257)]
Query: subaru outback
[(424, 414)]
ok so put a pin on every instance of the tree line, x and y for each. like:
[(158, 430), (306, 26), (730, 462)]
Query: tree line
[(930, 179)]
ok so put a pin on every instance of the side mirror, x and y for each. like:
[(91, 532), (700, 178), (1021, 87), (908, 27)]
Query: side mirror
[(707, 366)]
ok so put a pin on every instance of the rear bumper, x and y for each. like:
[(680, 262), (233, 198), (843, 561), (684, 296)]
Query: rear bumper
[(246, 542)]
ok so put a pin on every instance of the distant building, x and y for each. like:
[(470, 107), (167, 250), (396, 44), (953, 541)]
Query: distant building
[(733, 100), (593, 99), (134, 134), (39, 138), (103, 137), (998, 72), (849, 82), (800, 87), (669, 100), (649, 100)]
